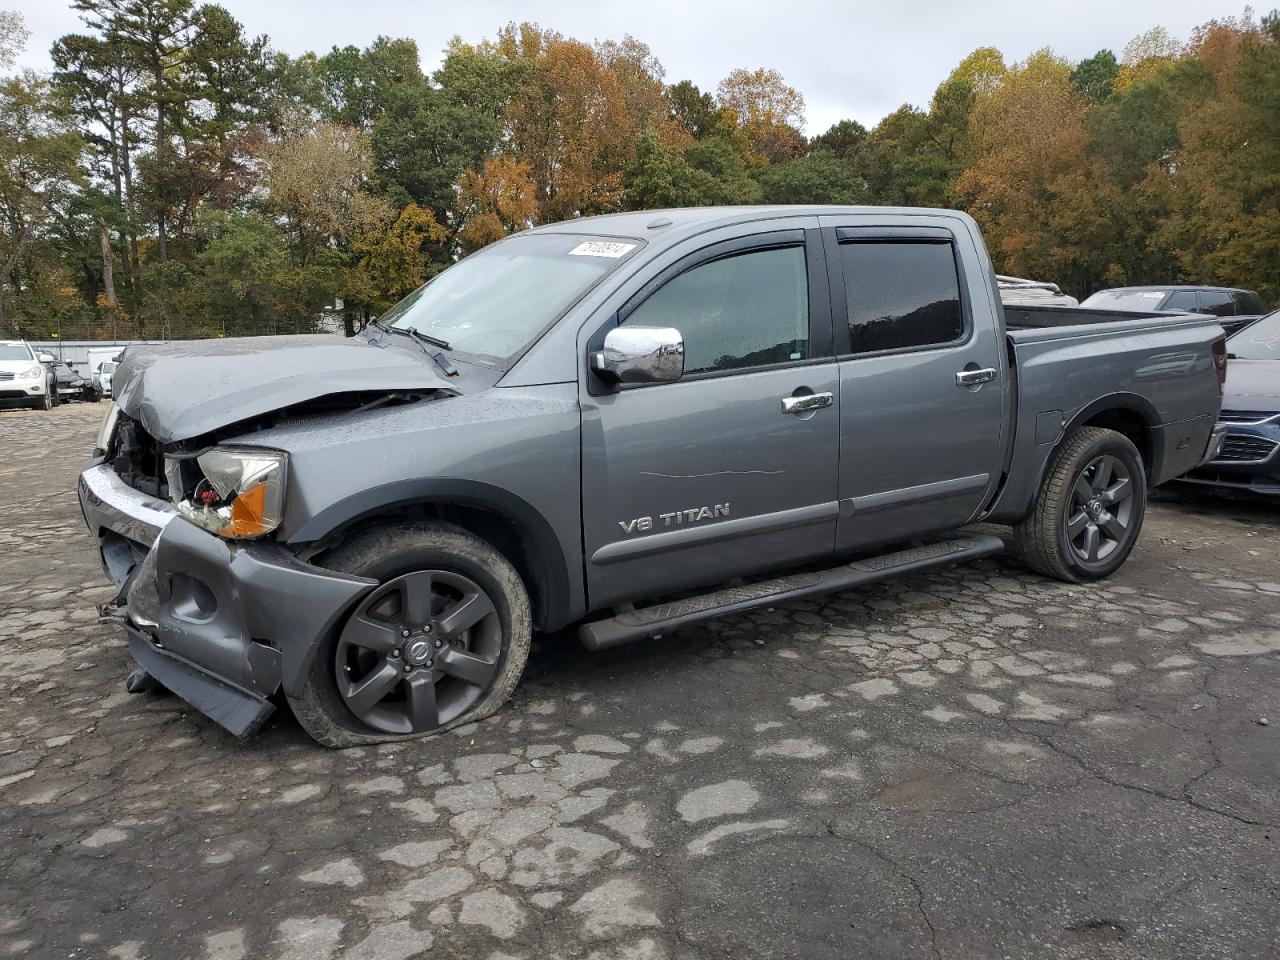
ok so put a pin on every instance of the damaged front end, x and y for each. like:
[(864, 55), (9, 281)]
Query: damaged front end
[(213, 607)]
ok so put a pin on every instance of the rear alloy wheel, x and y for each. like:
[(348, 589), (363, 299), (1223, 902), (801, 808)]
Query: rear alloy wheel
[(1096, 524), (441, 641), (418, 652), (1090, 508)]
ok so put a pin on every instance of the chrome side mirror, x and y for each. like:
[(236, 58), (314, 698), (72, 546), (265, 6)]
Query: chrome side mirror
[(640, 355)]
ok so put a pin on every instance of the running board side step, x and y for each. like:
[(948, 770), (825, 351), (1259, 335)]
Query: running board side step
[(662, 617)]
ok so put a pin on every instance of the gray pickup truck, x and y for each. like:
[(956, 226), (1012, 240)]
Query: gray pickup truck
[(629, 423)]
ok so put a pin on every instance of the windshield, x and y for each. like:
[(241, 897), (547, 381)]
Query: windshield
[(1258, 341), (1126, 299), (106, 367), (495, 302), (15, 351)]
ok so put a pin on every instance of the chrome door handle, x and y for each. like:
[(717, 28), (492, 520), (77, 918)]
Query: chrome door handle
[(973, 378), (806, 402)]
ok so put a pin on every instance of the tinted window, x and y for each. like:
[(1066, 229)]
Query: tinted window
[(1249, 303), (1182, 300), (901, 294), (1217, 302), (746, 310)]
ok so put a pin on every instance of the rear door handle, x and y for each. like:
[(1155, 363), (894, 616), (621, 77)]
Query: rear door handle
[(806, 402), (973, 378)]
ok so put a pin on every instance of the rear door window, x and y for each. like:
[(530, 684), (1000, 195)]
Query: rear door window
[(1182, 300), (1249, 303), (901, 294), (1218, 303)]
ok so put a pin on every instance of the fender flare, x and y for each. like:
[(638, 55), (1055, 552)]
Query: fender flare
[(1127, 403), (561, 604)]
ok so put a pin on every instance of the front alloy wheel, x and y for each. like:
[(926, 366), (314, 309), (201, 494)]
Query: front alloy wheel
[(418, 652), (441, 641)]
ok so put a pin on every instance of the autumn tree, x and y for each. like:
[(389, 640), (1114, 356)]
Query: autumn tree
[(1028, 134), (1225, 178), (572, 126), (499, 199), (769, 112)]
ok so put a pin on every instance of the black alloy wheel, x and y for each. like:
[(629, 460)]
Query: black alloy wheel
[(1098, 521), (418, 652)]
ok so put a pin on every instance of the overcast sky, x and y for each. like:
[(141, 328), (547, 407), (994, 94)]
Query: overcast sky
[(854, 59)]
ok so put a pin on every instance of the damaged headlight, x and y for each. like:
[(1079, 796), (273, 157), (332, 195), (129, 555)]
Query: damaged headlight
[(241, 493)]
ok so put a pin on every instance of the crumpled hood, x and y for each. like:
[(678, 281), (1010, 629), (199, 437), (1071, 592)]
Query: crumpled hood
[(181, 390), (1252, 385)]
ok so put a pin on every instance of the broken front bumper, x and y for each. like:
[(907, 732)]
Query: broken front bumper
[(223, 624)]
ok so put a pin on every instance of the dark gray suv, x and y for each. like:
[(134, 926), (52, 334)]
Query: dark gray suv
[(1223, 302)]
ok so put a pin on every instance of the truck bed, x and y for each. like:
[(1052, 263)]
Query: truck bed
[(1066, 359), (1037, 317)]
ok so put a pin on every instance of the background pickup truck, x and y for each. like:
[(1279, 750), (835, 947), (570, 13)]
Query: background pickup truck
[(630, 423)]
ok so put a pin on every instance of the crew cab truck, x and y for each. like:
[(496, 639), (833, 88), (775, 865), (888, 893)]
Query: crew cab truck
[(629, 423)]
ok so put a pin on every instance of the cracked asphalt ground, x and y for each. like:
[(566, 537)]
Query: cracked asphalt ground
[(975, 763)]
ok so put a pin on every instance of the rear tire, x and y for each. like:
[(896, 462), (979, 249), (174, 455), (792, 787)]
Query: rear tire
[(1090, 508), (457, 565)]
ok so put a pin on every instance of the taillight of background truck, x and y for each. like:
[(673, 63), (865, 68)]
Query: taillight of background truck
[(1220, 361)]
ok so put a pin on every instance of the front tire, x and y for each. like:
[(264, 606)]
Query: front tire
[(1090, 508), (440, 642)]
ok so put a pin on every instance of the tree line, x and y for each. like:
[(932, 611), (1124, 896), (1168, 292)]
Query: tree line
[(174, 177)]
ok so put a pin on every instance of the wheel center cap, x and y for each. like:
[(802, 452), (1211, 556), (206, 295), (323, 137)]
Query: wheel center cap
[(417, 651), (1095, 508)]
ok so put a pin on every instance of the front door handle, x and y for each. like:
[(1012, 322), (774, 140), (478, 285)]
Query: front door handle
[(806, 402), (974, 378)]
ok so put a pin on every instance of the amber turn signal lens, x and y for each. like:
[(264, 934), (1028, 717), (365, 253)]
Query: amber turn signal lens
[(248, 513)]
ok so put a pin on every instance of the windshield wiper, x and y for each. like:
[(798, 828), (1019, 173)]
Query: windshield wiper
[(424, 337)]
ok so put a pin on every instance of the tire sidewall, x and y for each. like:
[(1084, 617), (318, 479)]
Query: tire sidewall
[(1119, 446)]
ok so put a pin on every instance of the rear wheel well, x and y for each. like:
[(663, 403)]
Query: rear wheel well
[(499, 531), (1131, 424)]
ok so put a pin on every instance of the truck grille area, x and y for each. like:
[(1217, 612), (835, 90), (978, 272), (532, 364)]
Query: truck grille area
[(139, 460), (1240, 448)]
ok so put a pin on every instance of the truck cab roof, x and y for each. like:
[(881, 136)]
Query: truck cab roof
[(678, 223)]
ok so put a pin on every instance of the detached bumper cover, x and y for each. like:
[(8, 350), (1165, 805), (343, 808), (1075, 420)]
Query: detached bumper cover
[(223, 624)]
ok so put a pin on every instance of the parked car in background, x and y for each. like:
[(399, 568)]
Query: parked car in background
[(1249, 461), (73, 386), (24, 380), (619, 410), (1235, 308), (1015, 291), (102, 377)]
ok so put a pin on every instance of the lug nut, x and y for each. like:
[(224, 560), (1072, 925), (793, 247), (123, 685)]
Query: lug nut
[(395, 654), (407, 668), (439, 644), (404, 633), (428, 664), (426, 628)]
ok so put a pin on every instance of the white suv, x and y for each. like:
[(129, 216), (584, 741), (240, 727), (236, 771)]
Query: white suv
[(23, 378)]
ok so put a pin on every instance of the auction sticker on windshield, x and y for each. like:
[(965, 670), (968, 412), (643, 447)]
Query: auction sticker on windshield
[(602, 248)]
